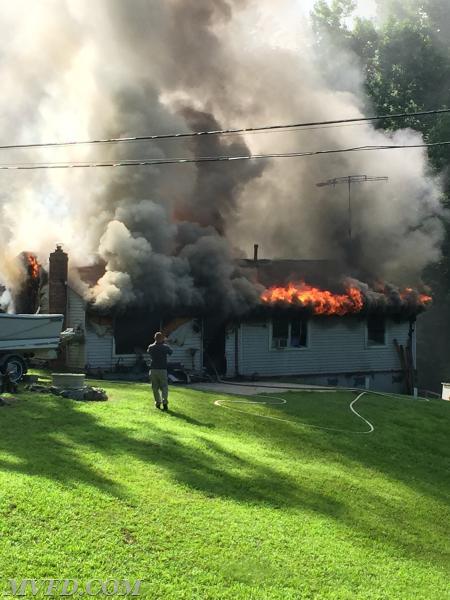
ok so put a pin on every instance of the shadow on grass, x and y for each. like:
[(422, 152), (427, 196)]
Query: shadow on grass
[(45, 437), (409, 443), (29, 435), (409, 447), (52, 438), (189, 420)]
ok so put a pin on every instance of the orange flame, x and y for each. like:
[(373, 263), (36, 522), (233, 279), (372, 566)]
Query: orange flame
[(33, 265), (422, 298), (322, 302)]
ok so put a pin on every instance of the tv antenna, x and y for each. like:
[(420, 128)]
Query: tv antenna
[(349, 179)]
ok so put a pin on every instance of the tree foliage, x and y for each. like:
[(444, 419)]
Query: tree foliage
[(406, 66)]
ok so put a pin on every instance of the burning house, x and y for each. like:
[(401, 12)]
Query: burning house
[(163, 237), (343, 334)]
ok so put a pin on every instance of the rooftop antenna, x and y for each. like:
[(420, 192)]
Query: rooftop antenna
[(349, 179)]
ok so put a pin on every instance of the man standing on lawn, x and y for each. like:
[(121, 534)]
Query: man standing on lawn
[(159, 351)]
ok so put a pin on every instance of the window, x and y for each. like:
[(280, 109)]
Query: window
[(376, 331), (280, 333), (298, 334), (289, 334), (134, 331)]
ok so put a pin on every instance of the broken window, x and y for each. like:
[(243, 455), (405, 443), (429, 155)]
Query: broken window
[(134, 331), (376, 330), (289, 334)]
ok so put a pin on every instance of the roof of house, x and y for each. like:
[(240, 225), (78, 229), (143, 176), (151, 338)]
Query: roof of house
[(279, 272), (265, 271), (92, 273)]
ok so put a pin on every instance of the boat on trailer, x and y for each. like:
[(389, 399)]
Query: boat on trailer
[(29, 332), (26, 336)]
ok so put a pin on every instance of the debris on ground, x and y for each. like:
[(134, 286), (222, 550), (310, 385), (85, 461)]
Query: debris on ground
[(84, 394), (7, 401), (30, 379)]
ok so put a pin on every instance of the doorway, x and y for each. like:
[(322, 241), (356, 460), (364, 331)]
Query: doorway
[(214, 336)]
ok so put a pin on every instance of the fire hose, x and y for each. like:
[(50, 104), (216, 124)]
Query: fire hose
[(282, 401)]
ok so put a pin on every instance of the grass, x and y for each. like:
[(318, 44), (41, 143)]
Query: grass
[(209, 503)]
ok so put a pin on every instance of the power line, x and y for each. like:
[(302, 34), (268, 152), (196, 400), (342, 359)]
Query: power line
[(208, 159), (243, 130), (292, 129)]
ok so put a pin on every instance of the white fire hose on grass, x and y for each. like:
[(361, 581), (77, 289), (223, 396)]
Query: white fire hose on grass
[(281, 401)]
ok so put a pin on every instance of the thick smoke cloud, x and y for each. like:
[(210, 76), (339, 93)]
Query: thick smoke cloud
[(171, 234)]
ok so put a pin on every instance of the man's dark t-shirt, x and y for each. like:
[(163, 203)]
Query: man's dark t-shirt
[(158, 354)]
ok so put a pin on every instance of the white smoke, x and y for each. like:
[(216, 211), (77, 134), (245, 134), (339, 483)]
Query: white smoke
[(75, 69), (6, 301)]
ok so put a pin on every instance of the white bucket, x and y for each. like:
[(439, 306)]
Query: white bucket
[(445, 391), (68, 381)]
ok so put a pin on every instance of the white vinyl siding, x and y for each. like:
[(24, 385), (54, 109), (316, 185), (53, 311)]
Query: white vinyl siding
[(335, 345), (76, 311), (99, 349)]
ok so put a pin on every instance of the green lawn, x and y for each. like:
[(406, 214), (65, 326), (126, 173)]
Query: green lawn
[(206, 502)]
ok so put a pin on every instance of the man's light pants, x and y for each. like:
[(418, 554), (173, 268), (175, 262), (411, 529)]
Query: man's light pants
[(159, 382)]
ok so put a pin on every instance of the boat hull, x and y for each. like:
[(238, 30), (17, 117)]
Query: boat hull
[(30, 332)]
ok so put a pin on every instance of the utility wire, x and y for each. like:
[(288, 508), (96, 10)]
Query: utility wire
[(208, 159), (243, 130)]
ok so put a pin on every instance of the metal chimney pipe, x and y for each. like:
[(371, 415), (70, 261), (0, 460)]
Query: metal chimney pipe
[(255, 252)]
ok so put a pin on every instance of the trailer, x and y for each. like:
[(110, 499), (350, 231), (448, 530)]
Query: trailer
[(27, 336)]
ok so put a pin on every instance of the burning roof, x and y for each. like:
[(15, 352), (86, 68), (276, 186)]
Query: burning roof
[(317, 287), (310, 286), (321, 302), (356, 299)]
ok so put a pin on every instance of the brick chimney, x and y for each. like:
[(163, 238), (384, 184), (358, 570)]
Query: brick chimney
[(57, 282)]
